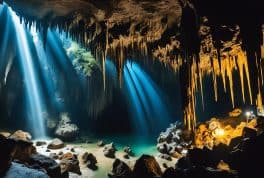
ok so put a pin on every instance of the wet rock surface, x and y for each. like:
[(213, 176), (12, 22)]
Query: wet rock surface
[(21, 135), (56, 144)]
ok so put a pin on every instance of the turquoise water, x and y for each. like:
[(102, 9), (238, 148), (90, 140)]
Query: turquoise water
[(139, 144)]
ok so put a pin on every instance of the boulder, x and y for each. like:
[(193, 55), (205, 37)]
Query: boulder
[(66, 130), (56, 144), (21, 135), (90, 160), (120, 170), (70, 163), (21, 171), (109, 150), (22, 150), (147, 166), (38, 161)]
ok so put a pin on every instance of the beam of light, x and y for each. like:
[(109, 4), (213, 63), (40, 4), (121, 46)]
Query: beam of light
[(33, 92), (153, 94), (146, 104), (135, 104), (47, 69)]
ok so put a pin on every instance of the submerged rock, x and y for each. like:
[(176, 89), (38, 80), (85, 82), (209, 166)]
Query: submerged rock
[(21, 135), (21, 171), (56, 144), (66, 130), (147, 166), (70, 163), (120, 170), (109, 150)]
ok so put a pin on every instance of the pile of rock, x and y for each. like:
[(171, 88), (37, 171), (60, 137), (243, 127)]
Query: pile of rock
[(19, 147), (173, 142)]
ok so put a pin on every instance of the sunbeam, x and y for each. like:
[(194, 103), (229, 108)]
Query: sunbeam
[(147, 107), (33, 92)]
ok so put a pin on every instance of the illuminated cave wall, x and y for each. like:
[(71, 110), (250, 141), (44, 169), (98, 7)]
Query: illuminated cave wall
[(219, 50)]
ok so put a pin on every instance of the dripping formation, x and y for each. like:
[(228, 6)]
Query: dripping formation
[(178, 38)]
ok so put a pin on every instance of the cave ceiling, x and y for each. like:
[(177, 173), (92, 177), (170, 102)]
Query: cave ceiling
[(148, 27)]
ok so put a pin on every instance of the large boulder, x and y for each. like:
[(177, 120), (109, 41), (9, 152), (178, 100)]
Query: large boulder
[(23, 150), (21, 171), (109, 150), (41, 162), (21, 135), (70, 163), (66, 130), (147, 166), (56, 144), (120, 170)]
